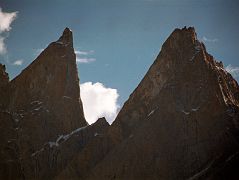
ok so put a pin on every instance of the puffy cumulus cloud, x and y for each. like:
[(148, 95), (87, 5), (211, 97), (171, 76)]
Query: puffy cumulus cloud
[(6, 20), (99, 101), (18, 62), (233, 70)]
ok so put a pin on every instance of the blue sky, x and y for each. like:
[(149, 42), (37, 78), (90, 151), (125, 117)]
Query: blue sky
[(121, 38)]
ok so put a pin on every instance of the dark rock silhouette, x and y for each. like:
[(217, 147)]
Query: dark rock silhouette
[(181, 122), (89, 156), (42, 120), (4, 87)]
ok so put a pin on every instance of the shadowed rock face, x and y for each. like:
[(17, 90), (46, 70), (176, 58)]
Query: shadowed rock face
[(4, 87), (51, 81), (181, 121), (9, 157), (46, 101), (37, 108), (92, 153), (50, 160)]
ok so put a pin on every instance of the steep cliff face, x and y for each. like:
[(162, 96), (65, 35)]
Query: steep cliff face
[(10, 167), (45, 99), (39, 107), (189, 74), (55, 156), (4, 87), (180, 122), (51, 84), (92, 153)]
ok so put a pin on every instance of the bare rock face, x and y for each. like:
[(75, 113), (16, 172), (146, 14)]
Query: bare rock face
[(39, 107), (92, 153), (46, 100), (10, 167), (51, 83), (55, 156), (181, 122), (4, 87)]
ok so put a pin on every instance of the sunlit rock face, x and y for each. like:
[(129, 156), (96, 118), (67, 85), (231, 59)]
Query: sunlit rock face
[(180, 122)]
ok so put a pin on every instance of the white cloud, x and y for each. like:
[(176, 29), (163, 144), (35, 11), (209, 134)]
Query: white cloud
[(18, 62), (39, 51), (233, 70), (99, 101), (6, 20), (205, 39), (3, 49), (84, 52), (85, 60)]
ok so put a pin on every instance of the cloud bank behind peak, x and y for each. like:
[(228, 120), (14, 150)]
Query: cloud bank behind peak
[(99, 101)]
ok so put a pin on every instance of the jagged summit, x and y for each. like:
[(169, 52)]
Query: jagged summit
[(185, 43), (185, 34), (180, 122), (66, 38), (183, 63), (102, 120), (183, 58), (44, 99), (190, 32), (54, 67)]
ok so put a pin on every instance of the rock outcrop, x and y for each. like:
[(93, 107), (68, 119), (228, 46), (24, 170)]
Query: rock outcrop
[(55, 156), (45, 101), (10, 167), (181, 122), (42, 120), (51, 84), (4, 87), (92, 153)]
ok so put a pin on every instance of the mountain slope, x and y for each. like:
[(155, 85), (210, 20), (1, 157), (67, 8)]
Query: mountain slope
[(42, 120), (10, 167), (180, 122)]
